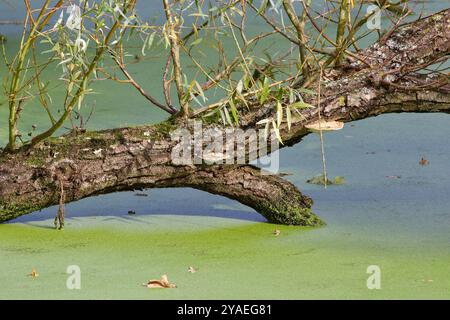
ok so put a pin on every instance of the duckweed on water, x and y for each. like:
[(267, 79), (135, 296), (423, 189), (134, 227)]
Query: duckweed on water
[(237, 260)]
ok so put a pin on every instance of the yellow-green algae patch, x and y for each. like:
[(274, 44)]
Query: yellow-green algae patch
[(235, 260)]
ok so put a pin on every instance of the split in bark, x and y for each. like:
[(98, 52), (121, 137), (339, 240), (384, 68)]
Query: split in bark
[(59, 218)]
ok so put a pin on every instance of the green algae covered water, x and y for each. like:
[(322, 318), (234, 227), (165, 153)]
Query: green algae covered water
[(400, 225), (391, 212), (234, 260)]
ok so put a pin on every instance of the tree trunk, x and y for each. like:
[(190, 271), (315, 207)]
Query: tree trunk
[(127, 159), (92, 163)]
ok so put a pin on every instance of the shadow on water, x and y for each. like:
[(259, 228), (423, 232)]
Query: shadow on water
[(128, 207)]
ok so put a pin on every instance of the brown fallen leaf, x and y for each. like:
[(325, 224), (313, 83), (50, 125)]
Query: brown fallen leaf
[(34, 273), (427, 280), (162, 283), (276, 233), (424, 162), (191, 269), (325, 126)]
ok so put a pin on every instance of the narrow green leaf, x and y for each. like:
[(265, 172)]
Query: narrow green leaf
[(150, 40), (263, 7), (240, 86), (279, 113), (277, 131), (265, 91), (227, 116), (196, 42), (288, 117), (200, 91), (234, 112)]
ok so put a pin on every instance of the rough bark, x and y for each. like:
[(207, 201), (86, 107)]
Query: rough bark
[(127, 159), (95, 163)]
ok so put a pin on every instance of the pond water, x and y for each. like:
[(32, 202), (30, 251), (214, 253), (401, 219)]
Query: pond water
[(400, 224)]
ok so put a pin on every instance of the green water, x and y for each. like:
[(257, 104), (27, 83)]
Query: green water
[(401, 225), (234, 260)]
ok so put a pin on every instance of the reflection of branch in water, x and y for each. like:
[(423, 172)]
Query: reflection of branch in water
[(15, 22)]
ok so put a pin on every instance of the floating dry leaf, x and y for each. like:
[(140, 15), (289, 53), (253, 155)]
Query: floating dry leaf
[(424, 162), (162, 283), (325, 126), (34, 273), (191, 269), (276, 233)]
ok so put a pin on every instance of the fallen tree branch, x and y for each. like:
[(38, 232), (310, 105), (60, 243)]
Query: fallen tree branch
[(114, 160), (126, 159)]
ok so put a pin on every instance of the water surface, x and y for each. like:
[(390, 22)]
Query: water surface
[(400, 224)]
